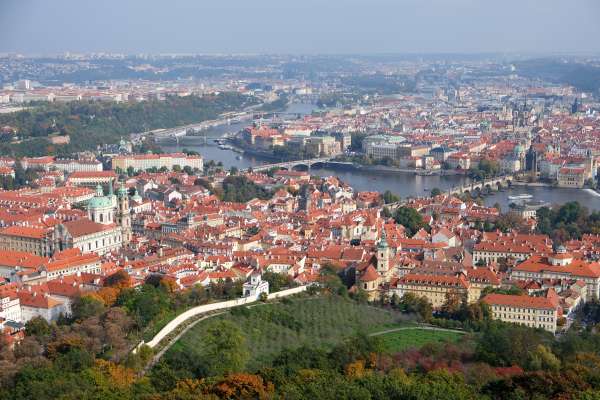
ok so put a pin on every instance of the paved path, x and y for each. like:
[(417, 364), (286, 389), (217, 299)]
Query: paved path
[(174, 340), (426, 328)]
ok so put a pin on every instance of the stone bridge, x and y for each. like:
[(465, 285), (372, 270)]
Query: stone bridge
[(292, 164), (496, 183)]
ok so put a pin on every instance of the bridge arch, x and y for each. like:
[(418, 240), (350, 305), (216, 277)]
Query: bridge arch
[(300, 167)]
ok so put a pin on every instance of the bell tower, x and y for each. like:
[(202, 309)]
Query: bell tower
[(383, 255), (123, 213)]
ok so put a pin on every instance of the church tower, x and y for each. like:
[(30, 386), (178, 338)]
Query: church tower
[(100, 208), (383, 255), (123, 214)]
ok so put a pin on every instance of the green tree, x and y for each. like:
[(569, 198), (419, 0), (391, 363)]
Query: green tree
[(410, 219), (435, 192), (37, 326), (224, 349), (87, 306), (389, 197)]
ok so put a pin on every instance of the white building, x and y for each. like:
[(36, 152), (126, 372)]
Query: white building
[(255, 286)]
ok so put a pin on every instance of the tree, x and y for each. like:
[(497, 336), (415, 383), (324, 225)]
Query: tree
[(37, 326), (277, 281), (119, 279), (435, 192), (452, 304), (410, 303), (202, 182), (410, 219), (542, 358), (87, 306), (240, 189), (224, 349), (389, 197)]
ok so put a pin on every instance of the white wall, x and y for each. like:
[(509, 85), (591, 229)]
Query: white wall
[(171, 326)]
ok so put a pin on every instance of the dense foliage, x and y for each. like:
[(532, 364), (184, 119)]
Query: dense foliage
[(484, 169), (569, 221), (241, 189), (23, 177), (410, 219), (92, 123), (88, 357), (381, 84), (292, 153)]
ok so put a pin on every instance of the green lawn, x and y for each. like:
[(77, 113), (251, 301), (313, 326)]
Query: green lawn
[(271, 328), (415, 338)]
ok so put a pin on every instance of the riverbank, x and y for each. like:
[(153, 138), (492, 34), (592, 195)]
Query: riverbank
[(532, 184), (405, 184)]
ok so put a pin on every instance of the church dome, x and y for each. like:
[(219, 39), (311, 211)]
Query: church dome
[(136, 197), (99, 202)]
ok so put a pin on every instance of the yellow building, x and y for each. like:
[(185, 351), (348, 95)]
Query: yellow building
[(535, 312), (147, 161), (28, 239), (435, 288), (571, 177)]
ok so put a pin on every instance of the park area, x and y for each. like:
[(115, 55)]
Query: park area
[(320, 322), (406, 338)]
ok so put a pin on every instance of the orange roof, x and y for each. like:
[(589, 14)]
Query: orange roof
[(93, 174), (85, 226), (522, 301), (539, 264), (20, 258), (435, 280), (24, 231), (370, 274)]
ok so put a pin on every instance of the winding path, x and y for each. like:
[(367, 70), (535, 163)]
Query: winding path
[(425, 328)]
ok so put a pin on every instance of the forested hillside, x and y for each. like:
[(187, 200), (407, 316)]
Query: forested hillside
[(90, 123)]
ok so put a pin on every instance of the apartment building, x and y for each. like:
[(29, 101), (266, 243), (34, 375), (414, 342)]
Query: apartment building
[(560, 265), (534, 312), (434, 288), (571, 177), (70, 166), (26, 239), (147, 161), (494, 246)]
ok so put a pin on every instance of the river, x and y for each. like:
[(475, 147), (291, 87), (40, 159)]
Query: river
[(403, 184)]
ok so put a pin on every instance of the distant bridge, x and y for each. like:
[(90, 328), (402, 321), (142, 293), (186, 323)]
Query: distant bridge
[(292, 164), (496, 183), (491, 184)]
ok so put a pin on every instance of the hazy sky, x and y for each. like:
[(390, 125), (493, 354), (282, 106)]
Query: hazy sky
[(299, 26)]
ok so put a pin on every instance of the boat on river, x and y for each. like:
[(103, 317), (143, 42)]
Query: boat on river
[(520, 197)]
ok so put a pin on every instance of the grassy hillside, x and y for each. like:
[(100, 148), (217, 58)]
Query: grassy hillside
[(400, 340), (316, 322)]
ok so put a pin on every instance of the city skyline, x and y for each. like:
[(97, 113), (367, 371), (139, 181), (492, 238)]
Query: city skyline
[(266, 26)]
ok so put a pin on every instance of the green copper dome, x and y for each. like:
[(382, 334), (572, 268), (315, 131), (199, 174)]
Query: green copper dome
[(99, 202), (136, 197)]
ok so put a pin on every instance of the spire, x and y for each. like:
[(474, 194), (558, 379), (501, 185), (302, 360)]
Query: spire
[(99, 191), (383, 241), (122, 191)]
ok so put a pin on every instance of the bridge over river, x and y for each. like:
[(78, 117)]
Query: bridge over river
[(476, 187)]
